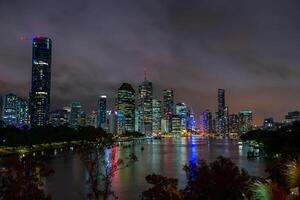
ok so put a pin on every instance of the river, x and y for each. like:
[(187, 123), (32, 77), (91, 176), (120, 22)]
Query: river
[(166, 157)]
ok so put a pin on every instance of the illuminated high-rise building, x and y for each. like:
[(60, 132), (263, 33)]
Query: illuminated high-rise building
[(182, 111), (156, 121), (168, 101), (75, 115), (59, 117), (15, 110), (22, 111), (101, 110), (176, 125), (166, 123), (41, 81), (222, 114), (234, 122), (191, 121), (9, 111), (126, 108), (145, 107), (245, 121), (111, 121), (92, 119), (206, 125)]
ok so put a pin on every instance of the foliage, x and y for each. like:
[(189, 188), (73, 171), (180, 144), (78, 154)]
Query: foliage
[(101, 166), (163, 188), (282, 141), (220, 179), (15, 137), (24, 179)]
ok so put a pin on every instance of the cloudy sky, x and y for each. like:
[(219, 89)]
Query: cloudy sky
[(249, 47)]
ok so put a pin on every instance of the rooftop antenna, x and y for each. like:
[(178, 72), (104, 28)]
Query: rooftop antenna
[(145, 73)]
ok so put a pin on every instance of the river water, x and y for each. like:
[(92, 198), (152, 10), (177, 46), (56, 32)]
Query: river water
[(166, 157)]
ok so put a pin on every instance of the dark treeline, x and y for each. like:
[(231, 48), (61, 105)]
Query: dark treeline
[(283, 142), (14, 137)]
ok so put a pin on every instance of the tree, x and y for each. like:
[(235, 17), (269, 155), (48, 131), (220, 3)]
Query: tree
[(101, 166), (221, 179), (163, 188), (24, 179)]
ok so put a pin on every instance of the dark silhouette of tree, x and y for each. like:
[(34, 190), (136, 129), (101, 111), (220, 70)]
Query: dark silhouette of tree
[(163, 188), (23, 180), (221, 179), (101, 166)]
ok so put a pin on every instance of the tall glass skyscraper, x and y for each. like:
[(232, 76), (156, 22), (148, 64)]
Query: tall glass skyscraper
[(156, 120), (102, 108), (222, 114), (145, 107), (182, 111), (168, 104), (75, 115), (246, 121), (126, 108), (41, 81)]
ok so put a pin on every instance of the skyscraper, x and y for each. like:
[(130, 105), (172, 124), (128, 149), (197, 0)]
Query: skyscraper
[(191, 121), (75, 115), (168, 101), (22, 111), (9, 110), (15, 110), (102, 108), (92, 119), (41, 81), (182, 111), (145, 107), (176, 125), (222, 114), (234, 122), (156, 121), (246, 121), (206, 125), (126, 108), (59, 117)]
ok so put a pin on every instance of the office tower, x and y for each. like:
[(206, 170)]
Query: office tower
[(168, 101), (59, 117), (166, 123), (137, 120), (176, 125), (126, 108), (182, 111), (41, 81), (222, 114), (111, 121), (15, 110), (145, 107), (291, 117), (156, 121), (82, 121), (9, 111), (246, 121), (92, 120), (101, 109), (269, 124), (191, 121), (75, 115), (234, 122), (206, 125)]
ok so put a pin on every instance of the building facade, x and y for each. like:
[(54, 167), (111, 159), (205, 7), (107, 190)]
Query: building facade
[(126, 108), (168, 101), (101, 110), (156, 121), (145, 107), (41, 81)]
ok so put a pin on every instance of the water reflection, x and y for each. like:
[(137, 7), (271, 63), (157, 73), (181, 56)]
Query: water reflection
[(166, 157)]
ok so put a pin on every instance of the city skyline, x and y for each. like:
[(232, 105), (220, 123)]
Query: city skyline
[(247, 60)]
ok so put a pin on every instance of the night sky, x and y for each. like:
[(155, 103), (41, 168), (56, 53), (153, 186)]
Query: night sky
[(249, 47)]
